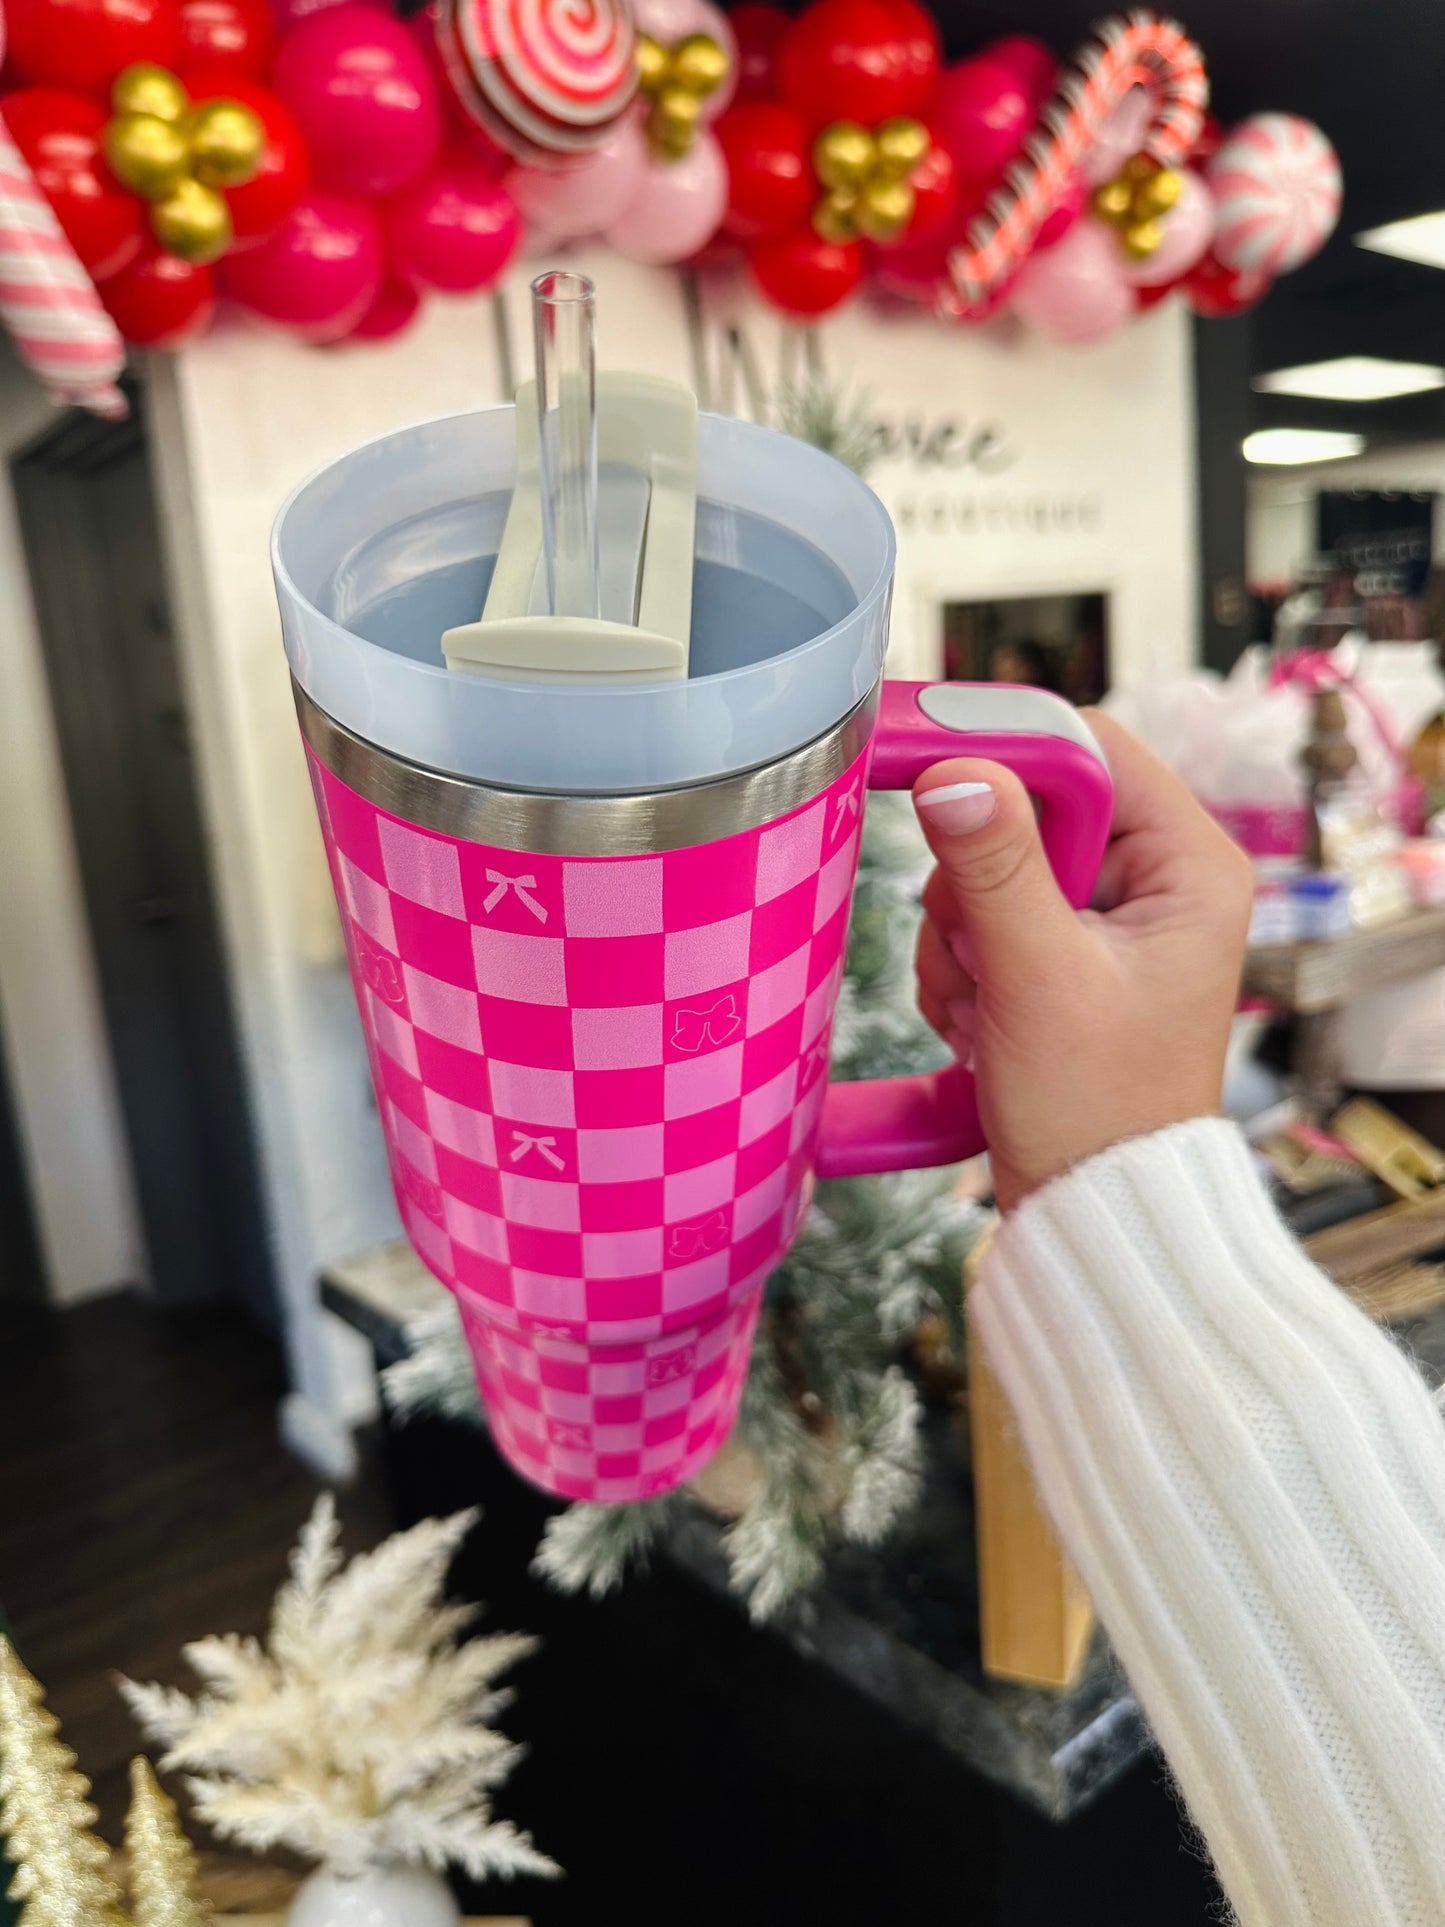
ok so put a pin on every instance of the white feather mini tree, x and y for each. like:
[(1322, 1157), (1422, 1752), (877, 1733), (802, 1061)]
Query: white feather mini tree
[(358, 1737)]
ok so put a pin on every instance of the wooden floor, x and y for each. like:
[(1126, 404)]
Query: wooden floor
[(144, 1500)]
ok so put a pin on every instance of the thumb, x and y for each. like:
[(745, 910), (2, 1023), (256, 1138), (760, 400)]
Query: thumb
[(980, 824)]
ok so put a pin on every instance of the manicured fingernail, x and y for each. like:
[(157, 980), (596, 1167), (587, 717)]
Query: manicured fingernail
[(961, 1017), (962, 955), (958, 808), (960, 1046)]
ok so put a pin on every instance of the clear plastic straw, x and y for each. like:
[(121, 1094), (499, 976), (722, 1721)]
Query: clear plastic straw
[(563, 321)]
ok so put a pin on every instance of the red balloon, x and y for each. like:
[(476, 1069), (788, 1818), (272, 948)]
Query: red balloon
[(760, 31), (318, 274), (806, 276), (260, 206), (849, 60), (1030, 62), (771, 186), (983, 117), (935, 193), (363, 96), (456, 230), (160, 301), (59, 136), (1217, 292), (226, 36), (83, 44), (395, 308), (922, 49)]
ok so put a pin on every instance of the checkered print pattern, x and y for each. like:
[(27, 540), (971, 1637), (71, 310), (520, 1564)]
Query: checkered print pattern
[(600, 1081)]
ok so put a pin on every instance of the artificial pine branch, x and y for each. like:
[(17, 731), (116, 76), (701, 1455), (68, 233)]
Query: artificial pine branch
[(359, 1736)]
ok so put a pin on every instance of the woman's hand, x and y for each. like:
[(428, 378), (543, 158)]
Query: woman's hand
[(1084, 1027)]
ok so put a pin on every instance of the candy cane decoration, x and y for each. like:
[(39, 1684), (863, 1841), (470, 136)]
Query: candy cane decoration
[(48, 302), (1141, 50)]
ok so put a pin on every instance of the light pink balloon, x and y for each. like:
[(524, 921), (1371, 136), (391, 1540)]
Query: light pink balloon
[(1121, 136), (1075, 291), (677, 207), (1188, 230), (1062, 216), (672, 20), (584, 199)]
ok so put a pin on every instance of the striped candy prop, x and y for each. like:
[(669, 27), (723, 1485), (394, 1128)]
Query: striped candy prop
[(1277, 188), (1141, 50), (48, 303), (549, 80)]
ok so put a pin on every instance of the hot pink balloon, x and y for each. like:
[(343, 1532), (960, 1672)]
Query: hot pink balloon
[(1030, 62), (983, 117), (365, 99), (317, 274), (585, 199), (1121, 136), (392, 312), (677, 207), (1062, 216), (1188, 229), (672, 20), (456, 230), (1075, 291)]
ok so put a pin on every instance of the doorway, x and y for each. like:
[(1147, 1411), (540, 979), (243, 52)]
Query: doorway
[(92, 540), (1057, 642)]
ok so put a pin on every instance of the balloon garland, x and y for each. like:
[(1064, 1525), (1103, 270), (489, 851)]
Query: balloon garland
[(329, 167)]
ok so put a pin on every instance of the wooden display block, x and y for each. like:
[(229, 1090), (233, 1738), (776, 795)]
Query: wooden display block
[(1035, 1618)]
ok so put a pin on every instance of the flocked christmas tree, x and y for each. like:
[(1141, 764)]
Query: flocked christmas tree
[(164, 1871), (62, 1868)]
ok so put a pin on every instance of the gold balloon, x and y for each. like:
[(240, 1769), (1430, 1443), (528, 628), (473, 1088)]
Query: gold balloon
[(884, 209), (672, 124), (902, 144), (1141, 238), (835, 218), (145, 88), (227, 142), (1159, 193), (654, 63), (193, 222), (146, 154), (1139, 167), (1114, 201), (700, 64), (844, 154)]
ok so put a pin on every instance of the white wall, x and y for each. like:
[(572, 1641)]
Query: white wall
[(1030, 471), (1280, 531), (52, 1034)]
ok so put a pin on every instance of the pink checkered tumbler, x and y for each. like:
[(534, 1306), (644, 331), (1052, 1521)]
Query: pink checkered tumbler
[(598, 1013)]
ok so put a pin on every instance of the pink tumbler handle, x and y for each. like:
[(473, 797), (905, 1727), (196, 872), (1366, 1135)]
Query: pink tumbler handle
[(909, 1123)]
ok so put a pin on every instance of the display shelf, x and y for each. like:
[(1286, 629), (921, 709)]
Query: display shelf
[(1307, 979)]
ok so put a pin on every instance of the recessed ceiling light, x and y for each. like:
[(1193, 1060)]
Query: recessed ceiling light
[(1421, 238), (1283, 447), (1353, 378)]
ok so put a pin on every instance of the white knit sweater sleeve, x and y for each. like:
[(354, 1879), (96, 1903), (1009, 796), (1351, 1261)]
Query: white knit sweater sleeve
[(1250, 1478)]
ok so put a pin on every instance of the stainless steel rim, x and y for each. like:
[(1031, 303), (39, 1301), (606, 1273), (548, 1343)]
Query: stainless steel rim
[(560, 825)]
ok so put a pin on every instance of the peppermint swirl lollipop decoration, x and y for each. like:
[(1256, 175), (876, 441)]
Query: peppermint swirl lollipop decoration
[(549, 80), (1141, 50), (1276, 185)]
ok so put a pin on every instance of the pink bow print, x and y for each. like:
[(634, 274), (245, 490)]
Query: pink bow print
[(845, 807), (691, 1029), (520, 886), (546, 1147), (672, 1365), (695, 1240), (378, 969)]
